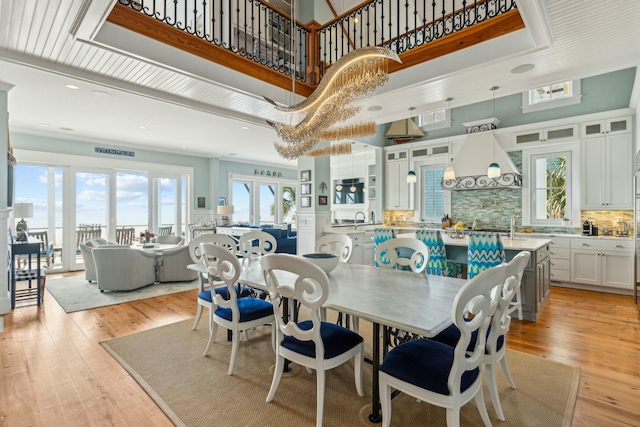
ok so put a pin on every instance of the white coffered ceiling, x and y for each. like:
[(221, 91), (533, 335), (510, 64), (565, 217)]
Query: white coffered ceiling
[(189, 106)]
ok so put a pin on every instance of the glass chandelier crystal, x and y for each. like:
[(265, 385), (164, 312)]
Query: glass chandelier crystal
[(355, 74)]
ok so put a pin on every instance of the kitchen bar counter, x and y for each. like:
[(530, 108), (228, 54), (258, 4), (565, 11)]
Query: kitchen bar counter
[(536, 280)]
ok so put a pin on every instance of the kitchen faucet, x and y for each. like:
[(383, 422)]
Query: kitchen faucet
[(355, 219)]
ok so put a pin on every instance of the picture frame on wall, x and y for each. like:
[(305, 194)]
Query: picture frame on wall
[(222, 201), (322, 200), (305, 202), (305, 189), (202, 202), (305, 176)]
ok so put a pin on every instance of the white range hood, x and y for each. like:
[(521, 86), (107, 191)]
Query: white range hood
[(472, 160)]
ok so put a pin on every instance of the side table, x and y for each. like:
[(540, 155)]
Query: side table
[(30, 249)]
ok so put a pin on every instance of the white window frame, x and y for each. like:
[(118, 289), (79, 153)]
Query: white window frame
[(572, 151), (575, 98), (255, 181)]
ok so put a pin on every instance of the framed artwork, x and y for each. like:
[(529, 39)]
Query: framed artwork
[(322, 200), (305, 202), (201, 202), (222, 201), (305, 189), (305, 176)]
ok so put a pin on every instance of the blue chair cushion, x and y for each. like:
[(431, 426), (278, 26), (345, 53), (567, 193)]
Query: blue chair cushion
[(249, 308), (426, 364), (222, 290), (336, 340), (451, 336)]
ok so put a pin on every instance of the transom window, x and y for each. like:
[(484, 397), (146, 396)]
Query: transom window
[(551, 96)]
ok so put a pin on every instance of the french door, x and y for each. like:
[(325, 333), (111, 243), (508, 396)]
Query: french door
[(168, 204)]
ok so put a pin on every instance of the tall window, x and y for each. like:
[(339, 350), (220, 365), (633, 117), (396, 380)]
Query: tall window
[(550, 186), (432, 203), (261, 201)]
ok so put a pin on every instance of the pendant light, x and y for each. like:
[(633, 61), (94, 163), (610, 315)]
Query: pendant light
[(411, 176), (353, 186), (449, 173), (338, 185), (494, 168)]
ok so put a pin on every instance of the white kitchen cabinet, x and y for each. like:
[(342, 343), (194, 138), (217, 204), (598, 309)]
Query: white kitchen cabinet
[(606, 168), (606, 127), (396, 188), (565, 133), (607, 263), (362, 251), (560, 259)]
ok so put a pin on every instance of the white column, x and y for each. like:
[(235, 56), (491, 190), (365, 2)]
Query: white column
[(5, 263)]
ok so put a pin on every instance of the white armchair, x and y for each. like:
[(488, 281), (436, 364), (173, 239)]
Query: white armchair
[(172, 265), (87, 257), (121, 268)]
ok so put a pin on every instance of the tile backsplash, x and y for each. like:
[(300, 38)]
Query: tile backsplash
[(608, 219)]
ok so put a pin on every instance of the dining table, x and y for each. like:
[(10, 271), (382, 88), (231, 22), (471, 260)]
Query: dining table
[(417, 303)]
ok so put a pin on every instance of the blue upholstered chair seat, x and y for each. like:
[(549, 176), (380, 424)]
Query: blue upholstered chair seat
[(336, 340), (250, 309), (451, 335), (222, 290), (425, 363)]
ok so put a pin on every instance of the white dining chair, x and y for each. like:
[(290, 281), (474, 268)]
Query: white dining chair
[(342, 246), (441, 374), (311, 343), (256, 243), (234, 313), (403, 253)]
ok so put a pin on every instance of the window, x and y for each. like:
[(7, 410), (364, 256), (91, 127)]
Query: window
[(435, 119), (432, 202), (549, 191), (550, 186), (551, 96), (263, 200)]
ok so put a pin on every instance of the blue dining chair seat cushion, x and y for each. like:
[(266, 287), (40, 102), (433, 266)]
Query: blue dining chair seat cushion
[(335, 338), (249, 308), (451, 335), (222, 290), (426, 364)]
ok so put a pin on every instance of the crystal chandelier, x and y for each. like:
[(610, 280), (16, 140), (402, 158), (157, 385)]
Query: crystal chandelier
[(355, 74)]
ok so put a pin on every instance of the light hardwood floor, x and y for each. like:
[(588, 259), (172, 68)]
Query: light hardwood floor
[(54, 372)]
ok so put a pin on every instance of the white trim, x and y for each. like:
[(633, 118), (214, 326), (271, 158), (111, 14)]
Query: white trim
[(573, 188)]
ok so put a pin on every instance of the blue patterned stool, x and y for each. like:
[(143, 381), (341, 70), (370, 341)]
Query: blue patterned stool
[(380, 235), (485, 250), (438, 263)]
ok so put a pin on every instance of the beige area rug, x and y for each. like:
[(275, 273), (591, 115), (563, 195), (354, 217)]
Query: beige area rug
[(76, 294), (196, 391)]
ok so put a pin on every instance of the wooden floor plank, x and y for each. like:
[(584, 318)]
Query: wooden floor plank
[(54, 371)]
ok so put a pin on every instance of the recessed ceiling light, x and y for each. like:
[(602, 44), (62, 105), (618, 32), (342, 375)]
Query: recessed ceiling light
[(74, 87), (67, 129), (245, 127), (44, 126), (144, 127), (100, 93), (374, 108), (523, 68), (183, 146)]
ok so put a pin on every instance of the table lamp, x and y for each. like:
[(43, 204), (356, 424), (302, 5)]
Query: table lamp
[(225, 211), (22, 210)]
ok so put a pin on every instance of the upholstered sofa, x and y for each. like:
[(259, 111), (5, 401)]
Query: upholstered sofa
[(287, 240), (121, 268)]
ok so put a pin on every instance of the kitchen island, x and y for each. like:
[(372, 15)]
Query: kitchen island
[(536, 280)]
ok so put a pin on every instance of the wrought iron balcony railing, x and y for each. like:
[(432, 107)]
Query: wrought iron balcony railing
[(257, 31)]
